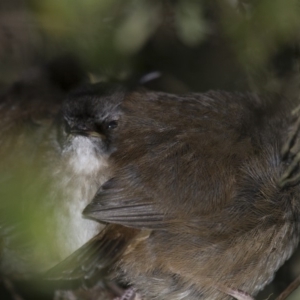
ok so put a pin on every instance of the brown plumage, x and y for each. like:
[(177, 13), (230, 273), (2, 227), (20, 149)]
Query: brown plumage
[(197, 178)]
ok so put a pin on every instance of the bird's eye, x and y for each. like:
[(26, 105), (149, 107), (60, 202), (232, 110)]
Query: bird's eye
[(112, 125)]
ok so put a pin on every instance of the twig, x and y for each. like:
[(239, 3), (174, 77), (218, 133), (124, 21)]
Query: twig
[(9, 286), (294, 285)]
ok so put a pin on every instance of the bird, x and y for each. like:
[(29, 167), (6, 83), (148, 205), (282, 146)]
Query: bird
[(201, 200)]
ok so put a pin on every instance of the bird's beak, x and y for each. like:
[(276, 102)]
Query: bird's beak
[(95, 134), (87, 133)]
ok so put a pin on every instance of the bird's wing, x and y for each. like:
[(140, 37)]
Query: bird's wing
[(95, 257), (114, 204)]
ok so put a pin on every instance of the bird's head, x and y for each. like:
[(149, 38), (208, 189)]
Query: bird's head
[(90, 117)]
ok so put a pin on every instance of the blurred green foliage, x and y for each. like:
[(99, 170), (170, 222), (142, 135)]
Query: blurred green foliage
[(258, 33), (118, 37), (107, 32)]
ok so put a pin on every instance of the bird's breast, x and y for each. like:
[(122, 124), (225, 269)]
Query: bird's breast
[(81, 171)]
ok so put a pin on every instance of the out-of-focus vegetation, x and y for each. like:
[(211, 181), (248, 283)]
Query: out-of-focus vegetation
[(195, 45), (203, 44)]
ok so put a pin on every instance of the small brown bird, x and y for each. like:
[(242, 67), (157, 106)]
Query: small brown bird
[(202, 202)]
